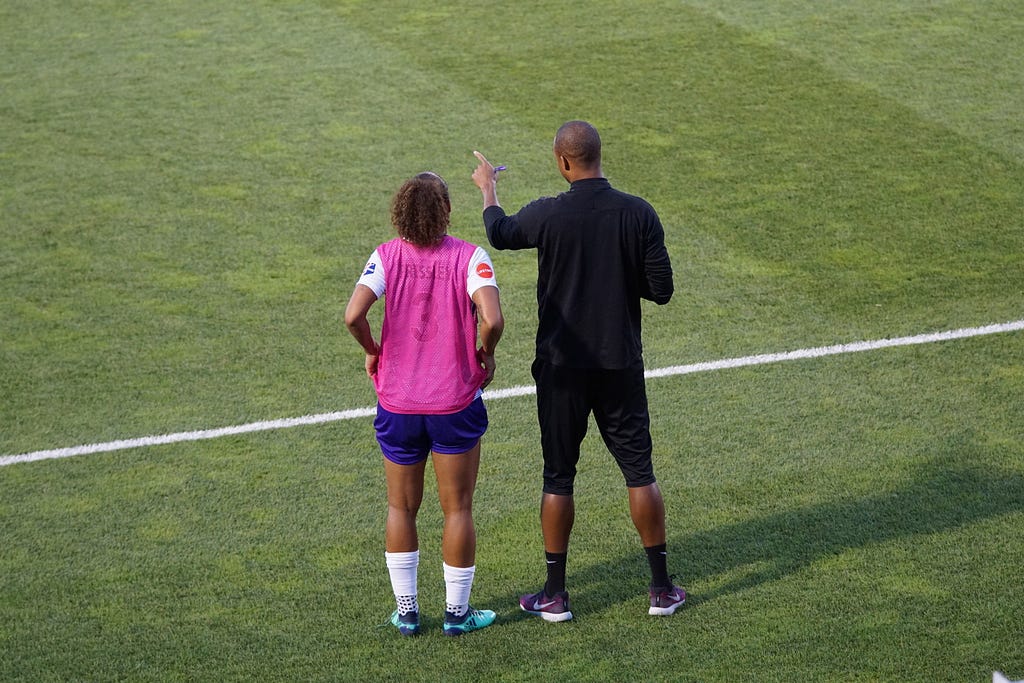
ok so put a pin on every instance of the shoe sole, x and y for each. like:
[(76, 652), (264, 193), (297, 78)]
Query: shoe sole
[(455, 632), (549, 616), (665, 611)]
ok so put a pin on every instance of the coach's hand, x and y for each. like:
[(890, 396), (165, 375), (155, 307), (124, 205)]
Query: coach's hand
[(486, 178)]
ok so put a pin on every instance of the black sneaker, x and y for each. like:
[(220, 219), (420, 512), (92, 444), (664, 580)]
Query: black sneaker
[(547, 607), (665, 602)]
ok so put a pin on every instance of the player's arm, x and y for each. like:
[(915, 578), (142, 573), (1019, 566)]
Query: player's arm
[(492, 324), (355, 320)]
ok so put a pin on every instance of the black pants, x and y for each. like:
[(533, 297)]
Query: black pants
[(618, 400)]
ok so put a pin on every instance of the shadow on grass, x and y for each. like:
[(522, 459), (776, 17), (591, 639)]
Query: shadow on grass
[(943, 497)]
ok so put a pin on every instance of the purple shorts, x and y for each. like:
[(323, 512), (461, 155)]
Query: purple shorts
[(409, 439)]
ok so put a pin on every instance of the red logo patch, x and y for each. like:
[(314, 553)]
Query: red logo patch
[(484, 270)]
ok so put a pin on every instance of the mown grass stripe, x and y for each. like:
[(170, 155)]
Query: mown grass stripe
[(511, 392)]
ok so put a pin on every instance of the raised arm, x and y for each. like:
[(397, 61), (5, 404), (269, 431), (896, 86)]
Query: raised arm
[(486, 178)]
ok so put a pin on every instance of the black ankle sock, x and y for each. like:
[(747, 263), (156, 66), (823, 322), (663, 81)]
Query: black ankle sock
[(658, 559), (556, 572)]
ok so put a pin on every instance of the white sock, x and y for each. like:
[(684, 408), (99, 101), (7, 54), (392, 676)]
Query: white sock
[(402, 567), (458, 582)]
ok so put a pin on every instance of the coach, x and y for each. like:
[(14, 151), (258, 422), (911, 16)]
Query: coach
[(600, 251)]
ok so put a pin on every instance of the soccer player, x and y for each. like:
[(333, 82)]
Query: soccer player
[(599, 252), (440, 297)]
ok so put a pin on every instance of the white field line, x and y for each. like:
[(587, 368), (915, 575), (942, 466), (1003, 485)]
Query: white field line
[(511, 392), (838, 349)]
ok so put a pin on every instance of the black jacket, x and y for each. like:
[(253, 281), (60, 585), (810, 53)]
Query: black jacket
[(599, 251)]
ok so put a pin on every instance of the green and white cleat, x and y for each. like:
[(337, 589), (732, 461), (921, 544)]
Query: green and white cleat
[(407, 624), (472, 620)]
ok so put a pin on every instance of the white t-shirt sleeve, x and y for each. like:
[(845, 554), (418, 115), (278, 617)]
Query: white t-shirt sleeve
[(373, 275), (481, 272)]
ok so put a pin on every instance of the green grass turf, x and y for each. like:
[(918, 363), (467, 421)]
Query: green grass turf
[(190, 190)]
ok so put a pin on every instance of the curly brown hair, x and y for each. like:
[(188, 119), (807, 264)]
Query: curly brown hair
[(421, 209)]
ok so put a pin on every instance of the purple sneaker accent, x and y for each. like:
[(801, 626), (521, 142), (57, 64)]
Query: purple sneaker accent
[(547, 607), (665, 602)]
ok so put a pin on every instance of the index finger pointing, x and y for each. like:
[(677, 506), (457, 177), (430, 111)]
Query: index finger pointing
[(481, 157)]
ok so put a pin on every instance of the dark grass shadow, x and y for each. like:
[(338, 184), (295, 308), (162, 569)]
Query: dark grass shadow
[(944, 496)]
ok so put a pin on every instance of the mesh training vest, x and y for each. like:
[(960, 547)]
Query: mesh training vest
[(428, 340)]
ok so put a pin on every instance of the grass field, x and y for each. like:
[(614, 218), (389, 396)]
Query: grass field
[(190, 189)]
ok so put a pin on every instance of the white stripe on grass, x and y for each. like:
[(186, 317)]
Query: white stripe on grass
[(837, 349), (511, 392)]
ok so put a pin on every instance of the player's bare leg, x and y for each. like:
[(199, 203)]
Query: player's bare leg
[(647, 509), (557, 515), (405, 494), (456, 482)]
